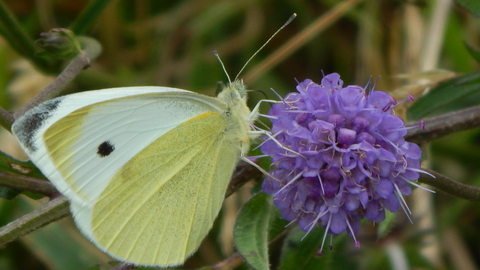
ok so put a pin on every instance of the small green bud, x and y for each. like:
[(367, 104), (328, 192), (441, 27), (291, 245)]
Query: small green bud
[(59, 43)]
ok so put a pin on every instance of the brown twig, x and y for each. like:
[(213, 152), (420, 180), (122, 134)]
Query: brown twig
[(243, 173), (124, 266), (6, 119), (46, 214), (90, 50), (26, 183), (68, 74), (445, 124)]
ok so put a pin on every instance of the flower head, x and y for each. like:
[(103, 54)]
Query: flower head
[(338, 155)]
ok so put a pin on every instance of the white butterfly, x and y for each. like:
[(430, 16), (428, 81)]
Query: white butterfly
[(145, 168)]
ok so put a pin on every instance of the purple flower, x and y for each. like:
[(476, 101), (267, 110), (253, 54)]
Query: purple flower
[(338, 155)]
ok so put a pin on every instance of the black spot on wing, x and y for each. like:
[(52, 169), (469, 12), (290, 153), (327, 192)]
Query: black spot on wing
[(105, 149), (28, 124)]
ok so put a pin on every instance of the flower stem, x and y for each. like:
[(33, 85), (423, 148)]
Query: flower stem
[(46, 214), (124, 266), (447, 185), (26, 183), (444, 124), (90, 50), (6, 119)]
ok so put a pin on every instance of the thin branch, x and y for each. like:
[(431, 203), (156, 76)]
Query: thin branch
[(26, 183), (90, 50), (6, 119), (447, 185), (243, 173), (124, 266), (68, 74), (445, 124), (46, 214), (231, 262)]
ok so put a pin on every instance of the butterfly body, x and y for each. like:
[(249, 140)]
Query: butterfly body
[(145, 168)]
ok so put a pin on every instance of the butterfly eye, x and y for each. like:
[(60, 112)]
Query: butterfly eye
[(105, 149)]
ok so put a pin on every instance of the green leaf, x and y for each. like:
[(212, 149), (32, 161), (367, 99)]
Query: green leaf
[(299, 254), (251, 231), (88, 16), (14, 166), (385, 226), (277, 224), (474, 52), (9, 193), (453, 94), (471, 5)]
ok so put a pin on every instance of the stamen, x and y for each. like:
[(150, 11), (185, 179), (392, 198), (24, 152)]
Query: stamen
[(290, 182), (421, 125), (258, 167), (325, 234), (267, 116), (291, 222), (257, 157), (266, 140), (321, 183), (278, 95), (357, 243), (409, 97), (415, 184), (421, 171), (404, 207), (314, 222)]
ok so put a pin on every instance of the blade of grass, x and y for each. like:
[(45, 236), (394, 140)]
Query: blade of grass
[(88, 16), (300, 39), (19, 40)]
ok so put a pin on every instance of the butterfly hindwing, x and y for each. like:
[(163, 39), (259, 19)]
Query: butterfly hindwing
[(174, 195)]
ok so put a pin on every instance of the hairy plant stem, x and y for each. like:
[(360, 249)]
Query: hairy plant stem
[(45, 214), (444, 124), (449, 186), (26, 183)]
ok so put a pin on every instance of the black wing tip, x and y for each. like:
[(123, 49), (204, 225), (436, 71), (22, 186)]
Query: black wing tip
[(26, 127)]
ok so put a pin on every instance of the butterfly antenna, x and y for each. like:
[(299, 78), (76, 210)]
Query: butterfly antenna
[(274, 34), (223, 66)]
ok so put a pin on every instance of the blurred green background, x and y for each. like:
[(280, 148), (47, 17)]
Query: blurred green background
[(410, 44)]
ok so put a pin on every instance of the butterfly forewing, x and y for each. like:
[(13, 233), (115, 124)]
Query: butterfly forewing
[(82, 144)]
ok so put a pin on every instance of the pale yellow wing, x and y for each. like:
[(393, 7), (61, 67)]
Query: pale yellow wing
[(157, 209), (80, 141)]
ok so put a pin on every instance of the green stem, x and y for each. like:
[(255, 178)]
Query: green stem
[(88, 16), (19, 40), (6, 119), (444, 124), (90, 50), (46, 214), (124, 266), (243, 173), (26, 183), (447, 185)]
